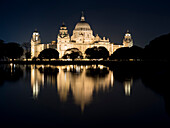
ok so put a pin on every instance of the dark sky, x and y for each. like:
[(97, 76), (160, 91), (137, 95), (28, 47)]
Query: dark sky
[(146, 19)]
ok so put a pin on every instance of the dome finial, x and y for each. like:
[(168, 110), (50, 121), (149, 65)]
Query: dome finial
[(35, 30), (82, 17), (82, 13), (63, 24)]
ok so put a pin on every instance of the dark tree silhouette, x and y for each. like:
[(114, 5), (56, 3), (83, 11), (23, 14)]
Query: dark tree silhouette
[(103, 52), (27, 47), (127, 53), (34, 59), (1, 41), (48, 54), (97, 53), (158, 48), (2, 49), (91, 53), (13, 50), (28, 55), (72, 53)]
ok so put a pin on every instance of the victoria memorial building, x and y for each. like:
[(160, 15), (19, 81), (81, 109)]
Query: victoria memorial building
[(82, 38)]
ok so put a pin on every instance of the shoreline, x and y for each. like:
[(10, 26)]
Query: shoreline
[(79, 62)]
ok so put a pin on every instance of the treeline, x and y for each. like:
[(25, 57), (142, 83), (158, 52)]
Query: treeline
[(156, 50), (74, 53), (10, 50)]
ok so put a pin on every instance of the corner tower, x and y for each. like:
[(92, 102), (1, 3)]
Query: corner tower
[(35, 40), (127, 41), (63, 40), (63, 36)]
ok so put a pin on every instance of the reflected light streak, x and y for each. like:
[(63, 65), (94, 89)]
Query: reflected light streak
[(35, 90), (127, 86), (11, 64)]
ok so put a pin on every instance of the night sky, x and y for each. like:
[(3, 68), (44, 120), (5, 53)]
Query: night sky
[(146, 19)]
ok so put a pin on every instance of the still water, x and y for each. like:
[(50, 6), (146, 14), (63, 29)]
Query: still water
[(73, 95)]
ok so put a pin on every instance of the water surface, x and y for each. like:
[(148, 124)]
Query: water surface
[(73, 95)]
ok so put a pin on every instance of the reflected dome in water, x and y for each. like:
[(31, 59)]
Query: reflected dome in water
[(74, 78), (91, 94)]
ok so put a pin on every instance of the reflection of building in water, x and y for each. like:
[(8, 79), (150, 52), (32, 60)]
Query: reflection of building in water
[(39, 80), (127, 86), (82, 86), (75, 78)]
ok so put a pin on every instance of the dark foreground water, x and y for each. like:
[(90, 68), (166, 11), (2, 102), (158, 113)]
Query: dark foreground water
[(80, 96)]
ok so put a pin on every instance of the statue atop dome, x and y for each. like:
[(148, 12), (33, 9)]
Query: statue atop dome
[(82, 16)]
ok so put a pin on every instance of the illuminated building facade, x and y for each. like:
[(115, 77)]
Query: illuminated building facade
[(81, 39)]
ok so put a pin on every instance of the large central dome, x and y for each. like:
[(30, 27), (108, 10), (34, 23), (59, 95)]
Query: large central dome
[(82, 32), (82, 25)]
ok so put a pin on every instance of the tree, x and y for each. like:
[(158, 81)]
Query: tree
[(13, 50), (97, 53), (1, 41), (127, 53), (91, 53), (158, 48), (27, 46), (49, 54), (2, 49), (28, 55), (72, 53), (103, 52)]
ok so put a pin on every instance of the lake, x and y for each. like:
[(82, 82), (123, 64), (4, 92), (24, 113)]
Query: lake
[(84, 95)]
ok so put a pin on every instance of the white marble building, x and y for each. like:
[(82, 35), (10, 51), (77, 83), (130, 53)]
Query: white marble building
[(81, 39)]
